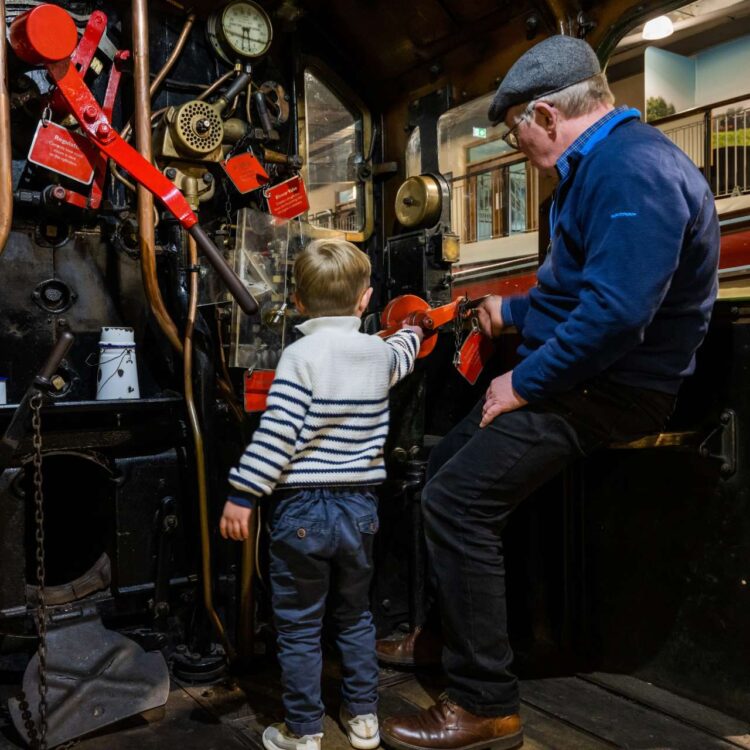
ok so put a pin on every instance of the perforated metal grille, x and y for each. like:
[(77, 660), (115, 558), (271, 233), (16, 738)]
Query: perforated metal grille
[(198, 127)]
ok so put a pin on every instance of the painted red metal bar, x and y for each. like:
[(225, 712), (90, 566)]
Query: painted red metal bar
[(110, 95), (83, 53)]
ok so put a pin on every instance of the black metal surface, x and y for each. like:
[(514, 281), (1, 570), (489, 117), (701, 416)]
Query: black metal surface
[(666, 542), (20, 422), (96, 677)]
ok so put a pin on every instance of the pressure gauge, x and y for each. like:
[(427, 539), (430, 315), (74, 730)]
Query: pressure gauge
[(240, 30)]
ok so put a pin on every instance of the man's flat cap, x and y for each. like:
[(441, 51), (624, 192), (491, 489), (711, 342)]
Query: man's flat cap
[(551, 65)]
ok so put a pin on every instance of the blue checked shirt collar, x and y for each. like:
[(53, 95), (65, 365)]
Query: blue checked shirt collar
[(591, 136)]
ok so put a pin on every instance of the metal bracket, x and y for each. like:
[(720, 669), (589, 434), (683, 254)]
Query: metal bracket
[(95, 676), (721, 443)]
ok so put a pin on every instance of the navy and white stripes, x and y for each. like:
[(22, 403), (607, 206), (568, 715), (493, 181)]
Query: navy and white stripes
[(327, 416)]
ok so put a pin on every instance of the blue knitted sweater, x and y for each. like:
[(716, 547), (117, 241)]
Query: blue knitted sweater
[(629, 283)]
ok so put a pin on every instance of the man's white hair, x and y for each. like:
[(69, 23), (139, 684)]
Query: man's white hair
[(580, 98)]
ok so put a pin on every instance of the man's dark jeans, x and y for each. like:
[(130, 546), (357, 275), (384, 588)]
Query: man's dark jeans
[(476, 478), (321, 541)]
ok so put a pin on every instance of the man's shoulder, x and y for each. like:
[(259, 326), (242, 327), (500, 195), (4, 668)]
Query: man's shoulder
[(636, 148)]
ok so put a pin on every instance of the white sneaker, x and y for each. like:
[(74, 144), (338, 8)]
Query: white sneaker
[(278, 737), (362, 729)]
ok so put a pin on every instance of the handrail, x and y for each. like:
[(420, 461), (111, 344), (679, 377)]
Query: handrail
[(699, 110)]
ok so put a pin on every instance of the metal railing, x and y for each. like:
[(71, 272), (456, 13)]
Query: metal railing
[(716, 142)]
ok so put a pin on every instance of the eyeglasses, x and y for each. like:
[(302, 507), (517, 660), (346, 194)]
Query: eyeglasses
[(511, 137)]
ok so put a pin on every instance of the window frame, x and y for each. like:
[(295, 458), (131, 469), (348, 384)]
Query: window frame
[(357, 107)]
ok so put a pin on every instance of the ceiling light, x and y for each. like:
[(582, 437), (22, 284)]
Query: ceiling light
[(658, 28)]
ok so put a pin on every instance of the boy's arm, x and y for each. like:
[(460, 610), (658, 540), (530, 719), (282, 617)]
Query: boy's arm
[(274, 440), (403, 349)]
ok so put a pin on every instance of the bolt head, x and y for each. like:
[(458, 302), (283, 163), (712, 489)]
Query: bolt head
[(58, 382), (90, 113), (103, 130)]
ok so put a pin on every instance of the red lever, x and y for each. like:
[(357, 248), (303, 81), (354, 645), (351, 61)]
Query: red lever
[(43, 35), (32, 36)]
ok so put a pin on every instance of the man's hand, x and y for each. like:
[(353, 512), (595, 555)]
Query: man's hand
[(417, 329), (235, 522), (490, 317), (500, 398)]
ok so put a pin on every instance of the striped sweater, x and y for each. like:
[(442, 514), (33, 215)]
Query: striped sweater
[(327, 415)]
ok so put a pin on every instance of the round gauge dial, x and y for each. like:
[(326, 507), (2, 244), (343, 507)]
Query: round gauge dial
[(240, 30)]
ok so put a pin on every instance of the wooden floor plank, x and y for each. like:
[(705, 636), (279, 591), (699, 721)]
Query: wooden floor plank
[(542, 732), (612, 718), (735, 731)]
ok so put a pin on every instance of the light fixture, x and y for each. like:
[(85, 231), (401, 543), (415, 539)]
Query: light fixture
[(658, 28)]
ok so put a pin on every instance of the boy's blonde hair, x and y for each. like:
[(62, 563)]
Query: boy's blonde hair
[(330, 277)]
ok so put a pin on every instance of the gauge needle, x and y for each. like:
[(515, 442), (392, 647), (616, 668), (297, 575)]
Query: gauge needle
[(246, 33)]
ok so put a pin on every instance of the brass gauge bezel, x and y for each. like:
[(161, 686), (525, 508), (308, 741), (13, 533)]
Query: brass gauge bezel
[(220, 41)]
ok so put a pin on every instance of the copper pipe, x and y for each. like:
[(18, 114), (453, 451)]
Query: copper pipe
[(200, 455), (216, 85), (560, 14), (176, 52), (246, 632), (142, 117), (6, 174), (164, 72)]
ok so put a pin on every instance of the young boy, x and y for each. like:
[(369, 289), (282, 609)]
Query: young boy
[(320, 445)]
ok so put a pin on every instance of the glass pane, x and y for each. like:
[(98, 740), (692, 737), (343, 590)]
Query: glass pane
[(484, 206), (517, 187), (465, 136), (414, 153), (331, 131)]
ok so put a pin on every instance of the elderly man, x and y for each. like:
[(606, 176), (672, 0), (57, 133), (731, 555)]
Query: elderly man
[(622, 302)]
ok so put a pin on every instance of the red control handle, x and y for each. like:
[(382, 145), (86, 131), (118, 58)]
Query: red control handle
[(47, 35)]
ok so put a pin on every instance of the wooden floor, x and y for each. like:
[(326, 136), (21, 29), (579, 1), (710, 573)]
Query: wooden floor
[(581, 712)]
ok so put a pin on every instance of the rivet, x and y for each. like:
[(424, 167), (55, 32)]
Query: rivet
[(301, 533)]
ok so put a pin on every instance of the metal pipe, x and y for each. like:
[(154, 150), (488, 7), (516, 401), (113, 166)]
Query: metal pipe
[(246, 632), (142, 119), (176, 52), (560, 14), (6, 173), (164, 72), (200, 455)]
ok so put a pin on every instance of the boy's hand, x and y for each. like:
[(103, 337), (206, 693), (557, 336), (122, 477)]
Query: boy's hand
[(417, 329), (235, 522)]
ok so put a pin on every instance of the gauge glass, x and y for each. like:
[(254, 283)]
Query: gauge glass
[(246, 28)]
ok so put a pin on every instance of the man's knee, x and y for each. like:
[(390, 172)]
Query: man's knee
[(439, 505)]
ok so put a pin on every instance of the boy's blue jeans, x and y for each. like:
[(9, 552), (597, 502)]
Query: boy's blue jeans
[(321, 560)]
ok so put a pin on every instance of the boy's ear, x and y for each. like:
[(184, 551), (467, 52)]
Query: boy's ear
[(364, 300), (298, 304)]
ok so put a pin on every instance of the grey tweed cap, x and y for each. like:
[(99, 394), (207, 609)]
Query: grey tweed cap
[(554, 64)]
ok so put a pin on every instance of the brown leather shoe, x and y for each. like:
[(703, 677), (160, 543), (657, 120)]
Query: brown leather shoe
[(447, 726), (419, 648)]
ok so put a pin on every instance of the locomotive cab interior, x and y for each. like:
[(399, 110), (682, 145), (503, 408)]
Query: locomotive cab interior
[(162, 164)]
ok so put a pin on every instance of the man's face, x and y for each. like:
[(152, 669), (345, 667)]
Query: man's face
[(536, 133)]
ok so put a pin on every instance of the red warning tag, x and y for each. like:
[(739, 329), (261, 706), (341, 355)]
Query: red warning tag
[(245, 172), (257, 385), (475, 352), (61, 151), (288, 199)]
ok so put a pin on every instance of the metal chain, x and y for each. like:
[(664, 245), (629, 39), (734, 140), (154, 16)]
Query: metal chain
[(227, 204), (458, 326), (41, 614)]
